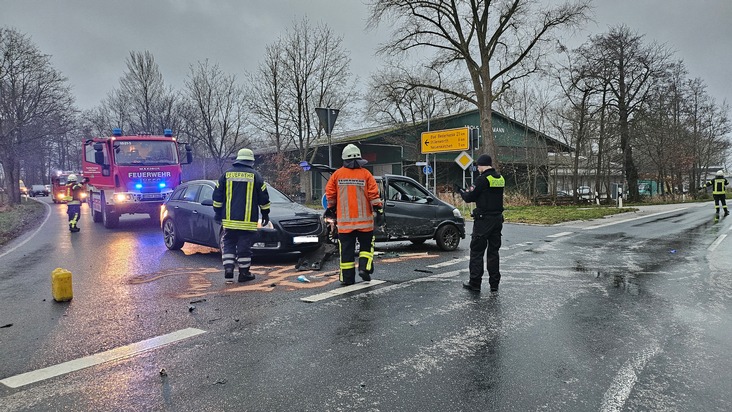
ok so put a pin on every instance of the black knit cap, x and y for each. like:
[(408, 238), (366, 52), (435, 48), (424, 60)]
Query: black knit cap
[(485, 160)]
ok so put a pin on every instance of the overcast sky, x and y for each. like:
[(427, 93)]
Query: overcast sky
[(89, 40)]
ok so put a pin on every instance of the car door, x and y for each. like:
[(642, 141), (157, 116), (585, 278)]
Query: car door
[(408, 208), (204, 229), (184, 212)]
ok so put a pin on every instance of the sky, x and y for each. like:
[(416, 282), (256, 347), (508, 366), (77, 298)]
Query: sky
[(89, 40)]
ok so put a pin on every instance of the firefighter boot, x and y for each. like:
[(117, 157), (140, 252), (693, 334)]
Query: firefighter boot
[(726, 212), (245, 275), (228, 273)]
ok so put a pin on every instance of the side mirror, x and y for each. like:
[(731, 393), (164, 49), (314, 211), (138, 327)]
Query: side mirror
[(99, 158), (189, 154)]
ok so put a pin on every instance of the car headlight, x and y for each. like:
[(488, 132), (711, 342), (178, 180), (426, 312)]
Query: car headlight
[(456, 212)]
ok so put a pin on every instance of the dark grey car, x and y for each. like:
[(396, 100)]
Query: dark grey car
[(188, 216)]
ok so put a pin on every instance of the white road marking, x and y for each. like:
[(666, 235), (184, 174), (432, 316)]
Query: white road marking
[(102, 357), (449, 262), (632, 219), (342, 290), (48, 215), (615, 397), (560, 234), (716, 243)]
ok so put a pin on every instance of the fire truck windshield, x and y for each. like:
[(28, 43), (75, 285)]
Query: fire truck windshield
[(143, 153)]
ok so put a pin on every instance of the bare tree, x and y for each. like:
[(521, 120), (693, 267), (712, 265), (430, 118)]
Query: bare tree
[(630, 69), (215, 112), (34, 99), (497, 42)]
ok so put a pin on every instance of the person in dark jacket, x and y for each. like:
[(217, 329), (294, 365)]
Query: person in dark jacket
[(719, 192), (487, 193), (238, 198), (74, 190)]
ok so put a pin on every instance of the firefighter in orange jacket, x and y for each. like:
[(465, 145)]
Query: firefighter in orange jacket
[(353, 198)]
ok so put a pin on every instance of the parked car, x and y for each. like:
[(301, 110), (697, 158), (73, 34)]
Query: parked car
[(38, 190), (188, 216), (413, 213)]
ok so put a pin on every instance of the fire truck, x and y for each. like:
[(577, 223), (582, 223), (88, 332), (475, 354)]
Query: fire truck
[(131, 174), (58, 185)]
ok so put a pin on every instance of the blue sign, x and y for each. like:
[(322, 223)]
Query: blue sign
[(324, 201), (427, 170)]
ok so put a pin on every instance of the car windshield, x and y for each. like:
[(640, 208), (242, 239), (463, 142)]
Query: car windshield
[(275, 196), (142, 152)]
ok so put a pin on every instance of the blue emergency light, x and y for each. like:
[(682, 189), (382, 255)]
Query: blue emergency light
[(168, 132), (117, 131), (138, 186), (161, 184)]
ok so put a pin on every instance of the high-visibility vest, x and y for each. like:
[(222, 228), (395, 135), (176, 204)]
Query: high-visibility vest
[(354, 193)]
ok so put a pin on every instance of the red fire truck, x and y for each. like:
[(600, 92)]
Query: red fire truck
[(131, 174), (58, 185)]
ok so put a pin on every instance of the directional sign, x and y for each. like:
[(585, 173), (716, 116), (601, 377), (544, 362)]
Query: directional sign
[(427, 170), (448, 140)]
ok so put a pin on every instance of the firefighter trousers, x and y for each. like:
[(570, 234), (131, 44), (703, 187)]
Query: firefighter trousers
[(720, 199), (486, 239), (347, 245), (236, 249), (73, 211)]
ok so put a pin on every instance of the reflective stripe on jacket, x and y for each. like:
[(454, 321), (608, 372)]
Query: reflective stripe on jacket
[(354, 193), (238, 196), (719, 185)]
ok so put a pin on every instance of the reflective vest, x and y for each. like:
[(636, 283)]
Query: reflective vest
[(73, 194), (354, 193), (719, 185)]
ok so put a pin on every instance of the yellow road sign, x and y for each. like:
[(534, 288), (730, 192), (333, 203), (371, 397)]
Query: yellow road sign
[(448, 140)]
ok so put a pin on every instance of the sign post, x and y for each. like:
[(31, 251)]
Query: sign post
[(327, 118)]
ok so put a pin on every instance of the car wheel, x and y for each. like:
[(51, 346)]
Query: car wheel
[(418, 241), (170, 236), (109, 219), (448, 237)]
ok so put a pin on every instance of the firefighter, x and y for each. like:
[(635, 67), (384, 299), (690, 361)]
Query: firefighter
[(719, 192), (353, 199), (487, 194), (238, 198), (73, 201)]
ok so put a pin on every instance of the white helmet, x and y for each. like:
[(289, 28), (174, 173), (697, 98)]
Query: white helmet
[(72, 178), (720, 173), (351, 152)]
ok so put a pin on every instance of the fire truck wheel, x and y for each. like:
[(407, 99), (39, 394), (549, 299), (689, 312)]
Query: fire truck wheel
[(170, 236), (109, 219), (96, 216)]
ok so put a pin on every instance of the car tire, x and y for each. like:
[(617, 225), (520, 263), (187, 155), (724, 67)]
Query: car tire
[(448, 237), (170, 236), (109, 219)]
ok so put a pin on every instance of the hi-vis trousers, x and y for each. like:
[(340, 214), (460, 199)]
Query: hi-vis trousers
[(347, 245)]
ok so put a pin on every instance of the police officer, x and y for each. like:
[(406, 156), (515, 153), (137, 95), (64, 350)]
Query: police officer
[(487, 193), (353, 198), (719, 192), (73, 201), (239, 196)]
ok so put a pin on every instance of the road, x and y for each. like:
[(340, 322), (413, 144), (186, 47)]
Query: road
[(624, 313)]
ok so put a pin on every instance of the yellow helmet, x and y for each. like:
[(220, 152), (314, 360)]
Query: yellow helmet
[(245, 154)]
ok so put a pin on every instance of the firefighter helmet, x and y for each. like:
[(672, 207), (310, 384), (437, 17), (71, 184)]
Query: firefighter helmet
[(351, 152), (72, 178), (245, 154), (720, 173)]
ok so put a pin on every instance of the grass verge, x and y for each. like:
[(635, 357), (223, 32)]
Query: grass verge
[(549, 215), (17, 219)]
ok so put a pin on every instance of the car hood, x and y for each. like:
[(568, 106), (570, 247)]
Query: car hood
[(285, 210)]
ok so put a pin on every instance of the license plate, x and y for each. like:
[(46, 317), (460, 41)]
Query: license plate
[(151, 196), (305, 239)]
